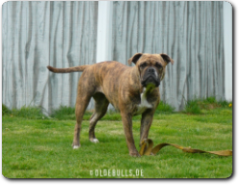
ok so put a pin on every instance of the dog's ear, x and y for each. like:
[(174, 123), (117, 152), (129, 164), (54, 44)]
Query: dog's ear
[(135, 58), (166, 58)]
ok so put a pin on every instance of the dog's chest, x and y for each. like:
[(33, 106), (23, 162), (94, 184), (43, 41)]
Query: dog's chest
[(143, 105)]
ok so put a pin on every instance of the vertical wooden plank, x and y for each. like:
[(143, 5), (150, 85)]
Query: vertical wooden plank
[(4, 53), (104, 31), (8, 63), (42, 53), (227, 15)]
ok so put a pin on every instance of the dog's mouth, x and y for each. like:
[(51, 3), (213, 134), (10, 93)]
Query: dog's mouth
[(150, 80)]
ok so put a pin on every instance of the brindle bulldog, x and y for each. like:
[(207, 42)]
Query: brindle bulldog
[(131, 90)]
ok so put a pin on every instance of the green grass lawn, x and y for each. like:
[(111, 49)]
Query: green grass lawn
[(40, 147)]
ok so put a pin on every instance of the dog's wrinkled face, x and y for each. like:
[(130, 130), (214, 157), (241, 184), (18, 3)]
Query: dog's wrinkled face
[(151, 67)]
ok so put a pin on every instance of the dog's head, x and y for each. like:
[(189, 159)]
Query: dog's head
[(151, 67)]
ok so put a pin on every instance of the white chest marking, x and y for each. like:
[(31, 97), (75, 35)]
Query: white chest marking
[(144, 103)]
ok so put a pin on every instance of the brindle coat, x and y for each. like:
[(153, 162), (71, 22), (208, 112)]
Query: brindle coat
[(123, 87)]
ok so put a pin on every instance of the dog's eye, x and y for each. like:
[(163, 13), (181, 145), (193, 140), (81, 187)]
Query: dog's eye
[(143, 65), (158, 65)]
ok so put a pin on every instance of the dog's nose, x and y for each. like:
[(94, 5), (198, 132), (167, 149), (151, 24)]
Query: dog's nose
[(151, 70)]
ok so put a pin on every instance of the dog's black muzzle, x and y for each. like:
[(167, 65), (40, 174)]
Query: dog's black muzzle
[(150, 78)]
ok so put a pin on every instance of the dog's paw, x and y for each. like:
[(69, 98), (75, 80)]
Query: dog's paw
[(94, 140), (134, 154), (75, 147)]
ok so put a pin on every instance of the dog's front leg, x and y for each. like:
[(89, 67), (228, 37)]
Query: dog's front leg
[(146, 121), (127, 124)]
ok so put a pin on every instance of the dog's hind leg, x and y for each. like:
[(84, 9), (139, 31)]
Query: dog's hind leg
[(101, 105), (81, 106), (84, 94)]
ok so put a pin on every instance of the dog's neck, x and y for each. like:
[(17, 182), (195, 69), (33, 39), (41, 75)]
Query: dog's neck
[(136, 79)]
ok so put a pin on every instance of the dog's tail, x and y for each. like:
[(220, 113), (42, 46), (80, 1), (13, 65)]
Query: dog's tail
[(67, 70)]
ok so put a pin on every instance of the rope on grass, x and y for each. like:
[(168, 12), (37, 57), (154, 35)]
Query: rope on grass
[(147, 149)]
